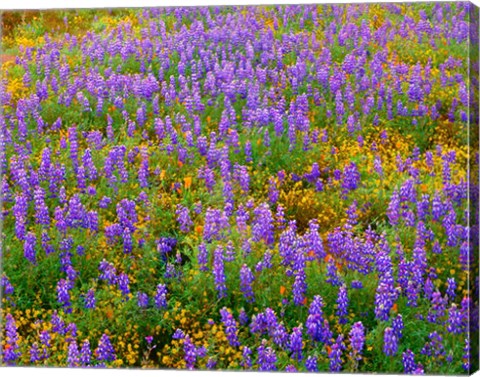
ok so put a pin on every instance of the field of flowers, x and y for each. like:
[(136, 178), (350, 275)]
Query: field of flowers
[(260, 188)]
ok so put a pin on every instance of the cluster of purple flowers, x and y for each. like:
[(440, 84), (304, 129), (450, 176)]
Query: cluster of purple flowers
[(230, 327), (11, 352), (161, 296), (105, 351), (234, 94)]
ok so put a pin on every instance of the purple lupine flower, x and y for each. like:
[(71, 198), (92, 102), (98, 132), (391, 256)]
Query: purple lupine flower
[(183, 217), (91, 190), (287, 241), (229, 252), (279, 335), (280, 217), (41, 211), (90, 169), (451, 287), (377, 165), (198, 207), (438, 307), (29, 247), (240, 174), (71, 331), (299, 287), (314, 173), (7, 286), (352, 214), (45, 243), (408, 360), (266, 358), (127, 214), (342, 305), (456, 320), (71, 274), (190, 351), (434, 347), (211, 363), (20, 212), (127, 241), (408, 192), (314, 240), (412, 293), (58, 325), (356, 284), (243, 317), (215, 223), (170, 270), (219, 272), (385, 297), (311, 364), (248, 151), (266, 262), (123, 284), (263, 225), (423, 207), (178, 334), (108, 272), (393, 211), (90, 300), (105, 350), (228, 198), (397, 326), (161, 296), (142, 300), (438, 209), (45, 338), (351, 178), (332, 274), (11, 353), (273, 192), (315, 321), (201, 351), (415, 90), (390, 342), (339, 107), (290, 368), (242, 218), (45, 168), (262, 321), (295, 343), (104, 202), (63, 294), (246, 362), (72, 136), (166, 245), (230, 324), (80, 250), (246, 280), (34, 353), (357, 339), (336, 355), (202, 257), (465, 255), (208, 175), (73, 354)]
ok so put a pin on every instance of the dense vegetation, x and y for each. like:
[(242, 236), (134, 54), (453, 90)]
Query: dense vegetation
[(267, 188)]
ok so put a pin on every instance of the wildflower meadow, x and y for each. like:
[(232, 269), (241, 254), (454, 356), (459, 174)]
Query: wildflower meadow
[(269, 188)]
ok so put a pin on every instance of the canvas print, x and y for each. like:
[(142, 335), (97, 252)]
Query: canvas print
[(251, 188)]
